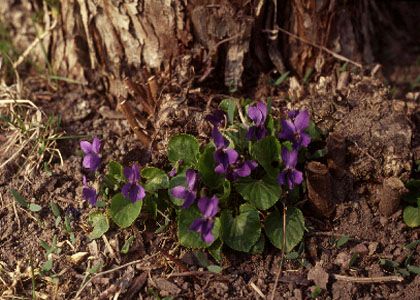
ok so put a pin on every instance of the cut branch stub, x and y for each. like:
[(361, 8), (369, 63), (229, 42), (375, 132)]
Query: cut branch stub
[(320, 190), (389, 195)]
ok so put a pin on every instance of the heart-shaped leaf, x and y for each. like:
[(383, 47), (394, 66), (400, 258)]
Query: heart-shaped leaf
[(156, 179), (183, 147), (206, 167), (260, 193), (123, 212), (411, 216), (241, 232), (100, 224), (229, 106), (267, 153), (295, 227)]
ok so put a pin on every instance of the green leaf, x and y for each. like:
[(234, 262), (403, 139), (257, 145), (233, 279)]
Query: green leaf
[(314, 132), (389, 263), (116, 170), (127, 244), (243, 231), (229, 106), (47, 266), (19, 198), (236, 134), (95, 269), (342, 241), (292, 255), (114, 176), (295, 227), (215, 250), (411, 216), (100, 225), (183, 147), (123, 212), (412, 245), (206, 167), (258, 248), (156, 179), (282, 78), (260, 193), (55, 209), (34, 207), (215, 269), (226, 191), (413, 269), (187, 237), (267, 152), (316, 292)]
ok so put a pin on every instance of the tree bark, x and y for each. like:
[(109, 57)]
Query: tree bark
[(111, 40)]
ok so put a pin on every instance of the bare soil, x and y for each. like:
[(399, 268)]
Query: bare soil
[(157, 265)]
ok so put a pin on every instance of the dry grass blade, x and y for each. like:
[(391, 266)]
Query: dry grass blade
[(30, 137)]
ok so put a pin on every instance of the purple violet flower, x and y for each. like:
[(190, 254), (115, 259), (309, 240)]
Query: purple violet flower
[(290, 175), (91, 159), (243, 170), (294, 129), (88, 193), (188, 193), (258, 114), (132, 190), (208, 207), (223, 156), (174, 170), (217, 118)]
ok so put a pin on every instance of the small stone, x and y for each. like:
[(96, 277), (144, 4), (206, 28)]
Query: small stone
[(342, 260), (297, 294), (318, 275), (372, 247), (383, 221), (361, 249)]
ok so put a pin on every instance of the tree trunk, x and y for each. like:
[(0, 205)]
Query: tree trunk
[(112, 40)]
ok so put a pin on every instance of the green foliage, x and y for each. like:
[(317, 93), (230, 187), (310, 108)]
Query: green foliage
[(295, 228), (156, 179), (243, 231), (411, 215), (123, 212), (183, 147), (229, 106), (206, 167), (100, 224), (267, 152), (19, 198), (262, 194), (239, 201)]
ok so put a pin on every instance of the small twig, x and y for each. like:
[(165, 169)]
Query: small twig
[(380, 279), (257, 290), (33, 44), (336, 55), (192, 273), (282, 253), (129, 115)]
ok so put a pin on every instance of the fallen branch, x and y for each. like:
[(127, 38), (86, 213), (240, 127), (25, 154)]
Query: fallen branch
[(129, 115)]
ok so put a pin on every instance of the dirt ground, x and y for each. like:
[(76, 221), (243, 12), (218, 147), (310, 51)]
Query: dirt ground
[(155, 266)]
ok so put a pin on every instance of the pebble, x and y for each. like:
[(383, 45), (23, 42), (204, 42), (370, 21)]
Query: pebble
[(372, 247), (361, 249)]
